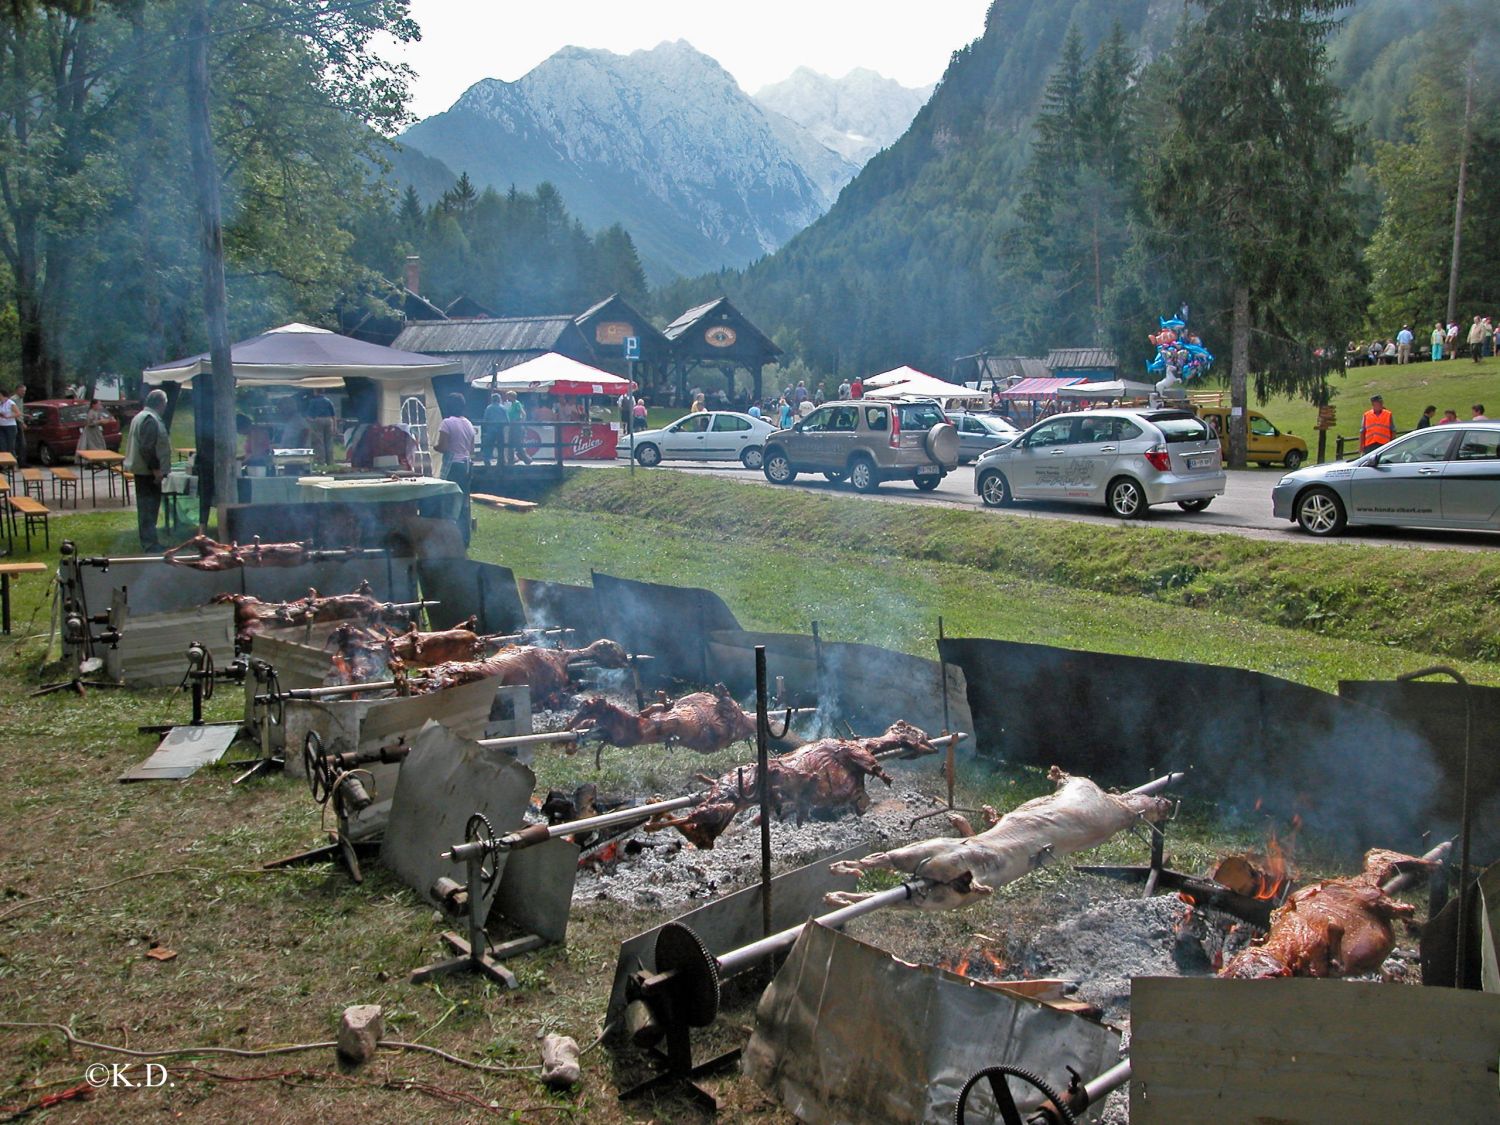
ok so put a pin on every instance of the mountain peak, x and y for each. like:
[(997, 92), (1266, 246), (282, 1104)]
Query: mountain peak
[(856, 115)]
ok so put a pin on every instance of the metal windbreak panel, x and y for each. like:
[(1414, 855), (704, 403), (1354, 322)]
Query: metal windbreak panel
[(669, 623), (444, 780), (1356, 778), (846, 1032), (1308, 1052), (557, 604), (735, 920)]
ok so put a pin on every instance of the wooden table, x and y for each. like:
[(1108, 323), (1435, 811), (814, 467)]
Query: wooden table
[(98, 461), (6, 570), (8, 466)]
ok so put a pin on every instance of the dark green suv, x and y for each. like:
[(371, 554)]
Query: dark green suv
[(866, 442)]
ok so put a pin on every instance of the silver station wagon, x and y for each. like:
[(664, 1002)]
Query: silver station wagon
[(1126, 460), (1443, 476)]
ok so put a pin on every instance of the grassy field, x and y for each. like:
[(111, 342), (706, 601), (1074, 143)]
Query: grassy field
[(1454, 384), (272, 958)]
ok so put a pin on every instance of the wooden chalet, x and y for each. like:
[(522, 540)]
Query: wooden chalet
[(719, 336), (607, 325), (997, 371), (383, 324), (1091, 364)]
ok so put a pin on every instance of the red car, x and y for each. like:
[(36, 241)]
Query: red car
[(54, 425)]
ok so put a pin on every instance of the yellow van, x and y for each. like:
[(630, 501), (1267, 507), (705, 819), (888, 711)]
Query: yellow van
[(1265, 443)]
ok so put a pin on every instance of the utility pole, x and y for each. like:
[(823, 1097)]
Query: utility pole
[(1463, 185), (215, 447)]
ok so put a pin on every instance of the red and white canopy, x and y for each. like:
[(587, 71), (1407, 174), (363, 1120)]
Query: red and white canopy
[(553, 374)]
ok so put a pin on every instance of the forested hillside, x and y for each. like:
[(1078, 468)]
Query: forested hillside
[(1011, 215)]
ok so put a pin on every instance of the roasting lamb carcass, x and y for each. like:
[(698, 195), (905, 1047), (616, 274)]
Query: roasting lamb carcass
[(705, 721), (959, 872), (1336, 928), (251, 615), (202, 553), (423, 650), (545, 670), (823, 777)]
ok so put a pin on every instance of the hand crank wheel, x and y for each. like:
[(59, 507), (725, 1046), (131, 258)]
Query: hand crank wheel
[(315, 762), (999, 1078), (478, 828)]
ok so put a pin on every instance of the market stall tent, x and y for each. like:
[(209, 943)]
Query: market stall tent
[(907, 382), (1123, 389), (299, 355), (553, 374)]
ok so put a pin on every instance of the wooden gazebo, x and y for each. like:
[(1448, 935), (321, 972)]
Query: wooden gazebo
[(718, 335), (607, 325)]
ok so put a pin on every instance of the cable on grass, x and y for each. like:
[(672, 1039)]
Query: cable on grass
[(261, 1052)]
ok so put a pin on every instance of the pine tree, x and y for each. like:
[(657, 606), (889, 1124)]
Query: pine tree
[(1247, 190)]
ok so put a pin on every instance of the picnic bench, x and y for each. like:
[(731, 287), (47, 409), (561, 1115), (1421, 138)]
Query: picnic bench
[(32, 480), (502, 503), (64, 484), (35, 513)]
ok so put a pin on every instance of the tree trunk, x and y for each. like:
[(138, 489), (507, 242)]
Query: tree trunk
[(1239, 375), (216, 448)]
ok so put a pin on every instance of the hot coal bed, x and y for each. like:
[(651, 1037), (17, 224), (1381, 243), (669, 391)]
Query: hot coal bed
[(1260, 750)]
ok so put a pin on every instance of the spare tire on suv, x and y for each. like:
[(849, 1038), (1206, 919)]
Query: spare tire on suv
[(942, 443)]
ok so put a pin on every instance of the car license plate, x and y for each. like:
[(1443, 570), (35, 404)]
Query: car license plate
[(927, 470), (1202, 462)]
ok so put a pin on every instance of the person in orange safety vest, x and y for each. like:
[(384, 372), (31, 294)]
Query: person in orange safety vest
[(1378, 426)]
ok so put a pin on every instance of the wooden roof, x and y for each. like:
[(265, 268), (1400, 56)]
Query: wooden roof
[(1082, 359), (695, 335), (485, 344), (605, 325)]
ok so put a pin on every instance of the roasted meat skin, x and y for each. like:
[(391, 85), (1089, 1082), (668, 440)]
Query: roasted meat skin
[(545, 670), (1335, 928), (422, 650), (202, 553), (824, 777), (705, 721), (959, 872)]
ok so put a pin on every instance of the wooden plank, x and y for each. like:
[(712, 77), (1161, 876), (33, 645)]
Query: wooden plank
[(23, 568), (502, 502), (1311, 1051)]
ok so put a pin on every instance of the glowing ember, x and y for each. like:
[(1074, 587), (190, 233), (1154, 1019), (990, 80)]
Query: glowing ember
[(976, 964)]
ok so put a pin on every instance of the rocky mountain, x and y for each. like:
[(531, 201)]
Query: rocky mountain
[(856, 116), (663, 141)]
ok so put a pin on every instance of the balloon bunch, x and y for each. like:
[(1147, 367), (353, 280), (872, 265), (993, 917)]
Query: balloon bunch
[(1180, 354)]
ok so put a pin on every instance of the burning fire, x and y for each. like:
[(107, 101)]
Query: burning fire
[(976, 964)]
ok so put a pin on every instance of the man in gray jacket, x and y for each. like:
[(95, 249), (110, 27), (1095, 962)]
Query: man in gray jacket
[(149, 458)]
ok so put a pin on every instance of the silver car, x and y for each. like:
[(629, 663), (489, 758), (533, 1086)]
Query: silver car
[(1127, 460), (979, 433), (1443, 476)]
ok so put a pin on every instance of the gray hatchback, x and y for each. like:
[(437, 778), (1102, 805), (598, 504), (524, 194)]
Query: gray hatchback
[(1127, 460)]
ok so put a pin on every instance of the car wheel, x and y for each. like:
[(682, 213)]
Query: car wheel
[(994, 490), (835, 477), (777, 468), (752, 457), (1293, 460), (45, 455), (1320, 512), (648, 455), (927, 483), (862, 475), (1194, 505), (1125, 498)]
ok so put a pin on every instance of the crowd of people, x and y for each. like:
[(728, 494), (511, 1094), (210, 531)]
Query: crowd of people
[(1378, 426), (1445, 341)]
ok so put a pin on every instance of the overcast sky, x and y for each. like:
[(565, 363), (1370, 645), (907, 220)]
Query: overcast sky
[(761, 42)]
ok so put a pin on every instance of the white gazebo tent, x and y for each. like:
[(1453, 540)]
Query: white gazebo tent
[(908, 382), (299, 355), (553, 374), (1122, 389)]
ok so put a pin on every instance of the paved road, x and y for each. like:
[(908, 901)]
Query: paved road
[(1244, 509)]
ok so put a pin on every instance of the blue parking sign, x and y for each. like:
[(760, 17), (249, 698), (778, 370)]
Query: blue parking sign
[(632, 347)]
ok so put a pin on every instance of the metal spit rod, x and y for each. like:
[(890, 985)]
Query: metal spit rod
[(737, 960), (1112, 1079), (534, 834), (1398, 883)]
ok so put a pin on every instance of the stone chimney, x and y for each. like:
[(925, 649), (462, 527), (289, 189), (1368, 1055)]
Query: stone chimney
[(414, 273)]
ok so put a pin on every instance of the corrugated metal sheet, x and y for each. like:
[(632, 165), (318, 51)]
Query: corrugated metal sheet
[(1074, 359), (1001, 368)]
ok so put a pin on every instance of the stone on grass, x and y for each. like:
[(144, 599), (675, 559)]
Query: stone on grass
[(360, 1032), (560, 1067)]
